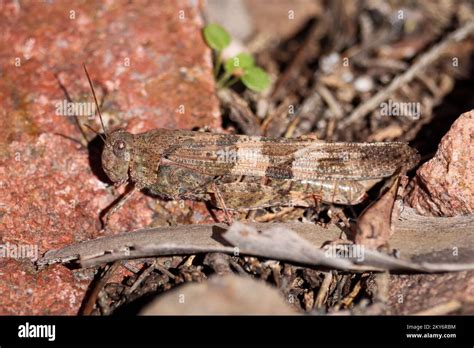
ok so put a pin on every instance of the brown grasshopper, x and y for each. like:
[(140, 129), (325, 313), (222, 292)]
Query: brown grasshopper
[(238, 172)]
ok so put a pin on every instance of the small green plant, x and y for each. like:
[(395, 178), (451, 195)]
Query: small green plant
[(241, 67)]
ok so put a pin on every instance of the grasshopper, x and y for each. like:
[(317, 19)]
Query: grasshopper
[(239, 172)]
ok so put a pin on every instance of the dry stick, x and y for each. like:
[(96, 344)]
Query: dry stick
[(295, 65), (311, 105), (164, 270), (141, 278), (332, 103), (429, 57), (240, 111), (346, 301), (414, 235), (323, 290), (89, 305), (339, 288), (334, 106), (189, 261)]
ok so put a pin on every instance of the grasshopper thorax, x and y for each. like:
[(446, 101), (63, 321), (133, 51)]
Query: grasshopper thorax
[(117, 155)]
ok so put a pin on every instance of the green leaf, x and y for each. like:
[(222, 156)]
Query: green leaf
[(256, 79), (216, 36), (240, 61)]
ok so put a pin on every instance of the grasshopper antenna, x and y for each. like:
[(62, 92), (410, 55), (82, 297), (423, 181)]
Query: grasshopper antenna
[(95, 100)]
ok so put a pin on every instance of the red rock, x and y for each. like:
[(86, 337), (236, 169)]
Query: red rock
[(52, 291), (48, 192), (444, 186), (146, 60), (409, 294)]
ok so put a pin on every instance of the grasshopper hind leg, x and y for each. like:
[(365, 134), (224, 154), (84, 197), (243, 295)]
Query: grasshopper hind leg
[(251, 195), (254, 195)]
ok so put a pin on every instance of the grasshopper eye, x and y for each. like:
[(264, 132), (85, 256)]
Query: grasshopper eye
[(119, 147)]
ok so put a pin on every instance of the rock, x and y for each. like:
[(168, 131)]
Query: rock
[(232, 15), (290, 16), (244, 19), (227, 295), (444, 186), (150, 67), (412, 293), (52, 291)]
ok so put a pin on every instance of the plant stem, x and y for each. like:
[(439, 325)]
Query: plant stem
[(217, 67), (224, 78), (227, 84)]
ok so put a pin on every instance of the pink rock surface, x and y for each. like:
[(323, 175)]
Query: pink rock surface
[(444, 186), (150, 68), (52, 291), (409, 294)]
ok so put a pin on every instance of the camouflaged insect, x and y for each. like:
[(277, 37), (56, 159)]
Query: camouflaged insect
[(236, 172), (251, 172)]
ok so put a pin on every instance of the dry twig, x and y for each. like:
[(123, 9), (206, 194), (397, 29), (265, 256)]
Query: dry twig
[(426, 59)]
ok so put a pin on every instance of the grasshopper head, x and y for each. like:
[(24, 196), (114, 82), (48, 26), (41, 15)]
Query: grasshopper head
[(117, 155)]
